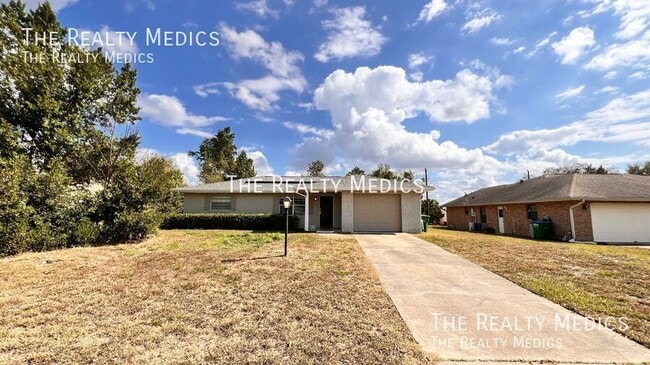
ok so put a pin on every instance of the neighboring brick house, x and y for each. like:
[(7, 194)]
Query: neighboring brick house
[(347, 204), (590, 208)]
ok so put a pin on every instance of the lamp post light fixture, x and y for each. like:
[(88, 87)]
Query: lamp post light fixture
[(286, 202)]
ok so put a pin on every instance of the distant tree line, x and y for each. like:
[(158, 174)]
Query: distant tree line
[(579, 168), (383, 171), (587, 168), (639, 169)]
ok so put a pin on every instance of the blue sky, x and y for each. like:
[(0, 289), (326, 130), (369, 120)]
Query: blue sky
[(476, 91)]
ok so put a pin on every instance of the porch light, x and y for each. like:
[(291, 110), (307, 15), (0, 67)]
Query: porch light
[(286, 203)]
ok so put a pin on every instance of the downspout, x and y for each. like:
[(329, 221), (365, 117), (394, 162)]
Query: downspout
[(306, 211), (573, 221)]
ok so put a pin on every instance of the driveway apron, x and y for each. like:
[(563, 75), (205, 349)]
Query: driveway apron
[(458, 310)]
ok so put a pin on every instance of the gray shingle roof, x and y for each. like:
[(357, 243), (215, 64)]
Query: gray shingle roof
[(285, 184), (610, 187)]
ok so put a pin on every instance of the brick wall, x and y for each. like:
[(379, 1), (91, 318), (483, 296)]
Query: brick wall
[(411, 219), (516, 222), (347, 212), (584, 227)]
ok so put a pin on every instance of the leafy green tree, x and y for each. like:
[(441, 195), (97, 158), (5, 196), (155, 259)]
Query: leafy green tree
[(157, 176), (639, 169), (355, 171), (67, 156), (217, 157), (407, 175), (54, 105), (244, 166), (316, 168), (432, 207), (580, 168), (14, 211), (383, 171), (139, 199)]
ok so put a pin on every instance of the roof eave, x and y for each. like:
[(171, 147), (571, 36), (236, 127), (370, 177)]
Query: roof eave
[(576, 198)]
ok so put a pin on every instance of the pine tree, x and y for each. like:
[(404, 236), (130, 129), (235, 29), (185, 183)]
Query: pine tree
[(355, 171), (316, 169), (217, 157)]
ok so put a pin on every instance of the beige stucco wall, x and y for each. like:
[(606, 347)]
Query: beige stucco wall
[(254, 203), (194, 203), (240, 203)]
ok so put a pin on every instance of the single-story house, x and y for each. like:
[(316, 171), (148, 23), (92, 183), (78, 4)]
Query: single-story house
[(347, 204), (610, 208)]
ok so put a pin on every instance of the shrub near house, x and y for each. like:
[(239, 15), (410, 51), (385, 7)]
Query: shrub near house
[(230, 221)]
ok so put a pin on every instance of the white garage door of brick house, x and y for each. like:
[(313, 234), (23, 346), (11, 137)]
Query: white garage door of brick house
[(377, 213), (621, 222)]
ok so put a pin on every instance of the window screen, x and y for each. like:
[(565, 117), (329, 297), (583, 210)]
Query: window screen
[(220, 203)]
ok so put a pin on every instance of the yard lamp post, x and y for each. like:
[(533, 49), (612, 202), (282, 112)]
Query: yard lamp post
[(286, 202)]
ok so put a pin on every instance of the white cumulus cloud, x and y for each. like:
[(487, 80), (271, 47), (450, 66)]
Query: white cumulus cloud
[(623, 119), (574, 45), (634, 53), (263, 93), (368, 108), (182, 161), (187, 165), (633, 47), (169, 111), (261, 163), (350, 35)]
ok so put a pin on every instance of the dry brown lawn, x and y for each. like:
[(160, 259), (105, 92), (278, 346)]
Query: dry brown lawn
[(201, 297), (593, 280)]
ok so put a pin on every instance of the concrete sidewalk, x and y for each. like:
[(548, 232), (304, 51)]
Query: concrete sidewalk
[(460, 311)]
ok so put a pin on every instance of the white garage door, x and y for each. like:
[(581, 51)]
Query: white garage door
[(377, 213), (621, 222)]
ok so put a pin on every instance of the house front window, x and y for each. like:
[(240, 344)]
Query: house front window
[(483, 215), (220, 204), (297, 206), (532, 211)]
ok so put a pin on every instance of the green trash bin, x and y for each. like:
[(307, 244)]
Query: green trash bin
[(542, 230), (425, 221)]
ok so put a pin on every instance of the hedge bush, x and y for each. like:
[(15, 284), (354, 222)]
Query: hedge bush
[(260, 222)]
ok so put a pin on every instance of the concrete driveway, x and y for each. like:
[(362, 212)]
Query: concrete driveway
[(459, 311)]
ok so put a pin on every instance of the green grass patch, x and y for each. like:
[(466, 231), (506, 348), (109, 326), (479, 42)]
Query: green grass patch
[(568, 294), (245, 240)]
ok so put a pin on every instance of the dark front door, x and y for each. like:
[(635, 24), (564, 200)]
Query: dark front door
[(326, 211)]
